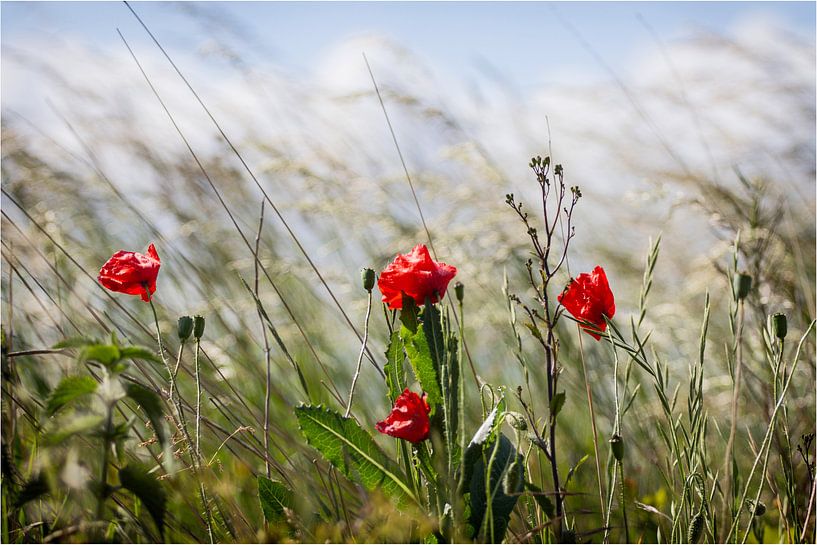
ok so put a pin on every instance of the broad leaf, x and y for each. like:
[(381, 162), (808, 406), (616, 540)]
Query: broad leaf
[(419, 354), (139, 353), (274, 497), (500, 456), (106, 354), (75, 342), (352, 450), (69, 389), (152, 405), (395, 356), (147, 488), (433, 329), (71, 425)]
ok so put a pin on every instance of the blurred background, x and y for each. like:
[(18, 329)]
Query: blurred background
[(693, 120)]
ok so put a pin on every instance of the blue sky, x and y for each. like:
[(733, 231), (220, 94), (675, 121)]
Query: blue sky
[(525, 42)]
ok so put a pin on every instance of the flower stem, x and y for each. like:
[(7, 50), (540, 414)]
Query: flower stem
[(360, 356)]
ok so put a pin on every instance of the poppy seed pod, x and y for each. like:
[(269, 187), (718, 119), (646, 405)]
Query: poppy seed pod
[(743, 284), (368, 277), (459, 291), (185, 328), (198, 326), (780, 325), (617, 444)]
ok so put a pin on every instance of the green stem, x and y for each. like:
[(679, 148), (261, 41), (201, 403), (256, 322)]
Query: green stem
[(198, 400), (360, 356)]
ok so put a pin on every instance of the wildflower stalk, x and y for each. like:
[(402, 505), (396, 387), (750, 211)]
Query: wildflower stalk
[(360, 355)]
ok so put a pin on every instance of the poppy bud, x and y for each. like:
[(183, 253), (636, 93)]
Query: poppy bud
[(459, 291), (367, 275), (617, 444), (198, 326), (779, 325), (743, 284), (696, 527), (512, 482), (517, 421), (185, 327)]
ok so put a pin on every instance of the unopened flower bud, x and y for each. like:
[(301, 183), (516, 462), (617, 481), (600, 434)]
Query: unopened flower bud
[(459, 291), (517, 421), (696, 527), (185, 327), (743, 284), (368, 277), (198, 326), (512, 483), (617, 445), (780, 325)]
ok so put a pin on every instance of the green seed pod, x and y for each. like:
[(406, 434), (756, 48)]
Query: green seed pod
[(696, 527), (198, 326), (368, 277), (780, 325), (459, 291), (512, 483), (617, 444), (743, 284), (185, 328)]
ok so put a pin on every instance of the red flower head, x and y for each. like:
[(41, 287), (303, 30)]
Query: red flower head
[(408, 419), (416, 275), (588, 298), (131, 273)]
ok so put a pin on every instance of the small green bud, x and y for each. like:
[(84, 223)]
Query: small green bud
[(696, 527), (780, 325), (743, 284), (198, 326), (459, 291), (617, 445), (185, 327), (368, 277)]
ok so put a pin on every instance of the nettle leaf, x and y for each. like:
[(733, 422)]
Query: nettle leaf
[(420, 355), (71, 425), (274, 497), (501, 457), (557, 403), (139, 353), (352, 450), (69, 389), (152, 405), (395, 356), (106, 354), (135, 477)]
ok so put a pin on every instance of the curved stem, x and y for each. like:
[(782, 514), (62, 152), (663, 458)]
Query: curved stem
[(360, 356)]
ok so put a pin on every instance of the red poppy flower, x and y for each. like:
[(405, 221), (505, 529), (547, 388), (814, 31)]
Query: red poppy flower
[(131, 273), (408, 419), (416, 275), (588, 298)]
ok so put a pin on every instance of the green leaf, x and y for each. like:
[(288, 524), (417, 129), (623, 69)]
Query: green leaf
[(433, 329), (483, 436), (573, 469), (71, 425), (503, 454), (409, 313), (106, 354), (542, 499), (419, 354), (352, 450), (69, 389), (75, 342), (135, 477), (395, 357), (557, 403), (139, 353), (152, 405), (274, 497)]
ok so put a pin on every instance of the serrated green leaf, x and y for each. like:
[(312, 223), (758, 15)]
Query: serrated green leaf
[(106, 354), (433, 329), (557, 403), (69, 389), (352, 450), (135, 477), (419, 354), (395, 356), (75, 342), (152, 405), (139, 353), (504, 455), (274, 497), (72, 425)]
